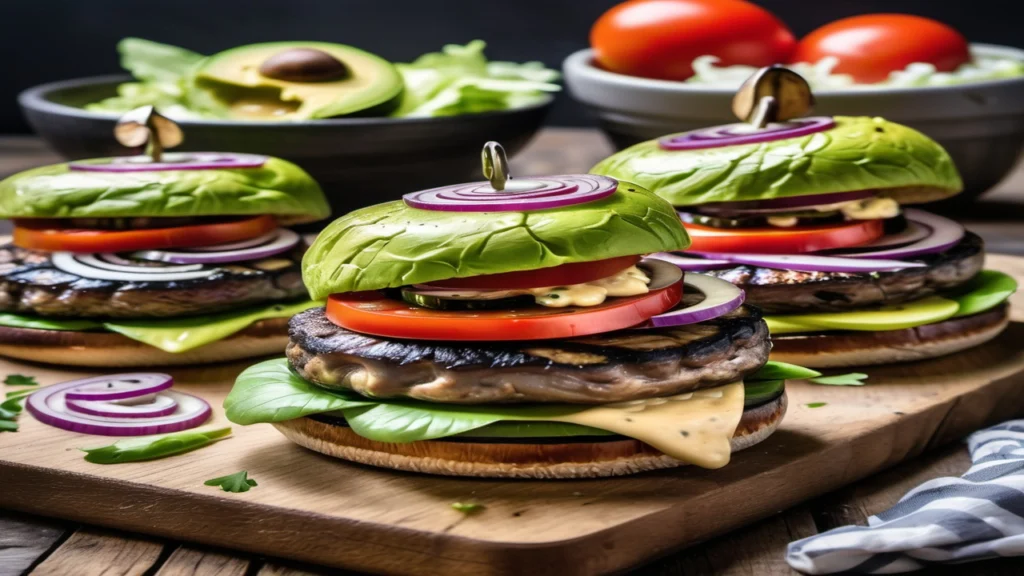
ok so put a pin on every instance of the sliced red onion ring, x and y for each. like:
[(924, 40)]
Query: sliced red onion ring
[(109, 267), (174, 161), (757, 207), (692, 264), (743, 133), (270, 244), (945, 234), (913, 232), (159, 405), (49, 406), (812, 263), (119, 386), (720, 297), (521, 195)]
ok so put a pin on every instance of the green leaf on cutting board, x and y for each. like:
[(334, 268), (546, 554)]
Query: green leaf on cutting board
[(153, 447), (20, 380), (237, 482)]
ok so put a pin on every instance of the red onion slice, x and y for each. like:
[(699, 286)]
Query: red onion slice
[(945, 234), (759, 207), (743, 133), (119, 386), (812, 263), (720, 297), (270, 244), (159, 405), (49, 406), (520, 195), (174, 161), (107, 267), (692, 264), (913, 232)]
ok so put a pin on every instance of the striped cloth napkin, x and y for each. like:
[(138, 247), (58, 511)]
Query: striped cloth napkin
[(947, 520)]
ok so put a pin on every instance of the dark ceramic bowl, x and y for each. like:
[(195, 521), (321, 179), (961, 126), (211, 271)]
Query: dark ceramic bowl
[(358, 161)]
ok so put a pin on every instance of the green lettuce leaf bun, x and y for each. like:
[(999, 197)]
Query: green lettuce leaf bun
[(391, 244), (278, 187), (859, 153)]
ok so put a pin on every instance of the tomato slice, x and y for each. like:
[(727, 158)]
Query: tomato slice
[(564, 275), (794, 240), (373, 313), (36, 236)]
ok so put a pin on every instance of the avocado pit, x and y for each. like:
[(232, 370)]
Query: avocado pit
[(303, 65)]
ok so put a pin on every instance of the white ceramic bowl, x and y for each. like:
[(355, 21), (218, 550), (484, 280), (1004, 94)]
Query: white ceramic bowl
[(980, 124)]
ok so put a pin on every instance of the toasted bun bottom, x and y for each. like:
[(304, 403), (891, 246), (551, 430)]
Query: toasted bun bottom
[(839, 349), (520, 459), (112, 350)]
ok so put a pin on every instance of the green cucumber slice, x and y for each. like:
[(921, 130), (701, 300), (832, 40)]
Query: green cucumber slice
[(412, 296)]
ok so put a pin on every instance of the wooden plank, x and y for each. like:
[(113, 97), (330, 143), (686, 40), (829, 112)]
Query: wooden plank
[(757, 550), (313, 509), (94, 552), (190, 561), (25, 539)]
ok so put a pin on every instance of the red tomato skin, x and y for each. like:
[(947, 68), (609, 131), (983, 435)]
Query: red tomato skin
[(871, 46), (660, 38)]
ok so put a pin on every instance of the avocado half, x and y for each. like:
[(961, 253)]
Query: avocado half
[(391, 244), (277, 187), (267, 81), (858, 153)]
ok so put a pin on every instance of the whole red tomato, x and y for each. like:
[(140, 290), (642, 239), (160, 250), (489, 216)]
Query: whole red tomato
[(660, 38), (869, 47)]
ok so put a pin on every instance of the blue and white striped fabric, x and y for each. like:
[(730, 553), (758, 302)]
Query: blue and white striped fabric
[(947, 520)]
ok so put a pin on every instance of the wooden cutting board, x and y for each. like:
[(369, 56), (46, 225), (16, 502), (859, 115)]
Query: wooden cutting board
[(315, 509)]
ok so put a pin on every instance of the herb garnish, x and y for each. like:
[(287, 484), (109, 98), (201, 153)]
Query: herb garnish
[(20, 380), (816, 404), (153, 447), (467, 507), (237, 482)]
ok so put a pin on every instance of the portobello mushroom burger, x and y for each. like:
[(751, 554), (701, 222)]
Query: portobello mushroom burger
[(163, 258), (807, 216), (513, 328)]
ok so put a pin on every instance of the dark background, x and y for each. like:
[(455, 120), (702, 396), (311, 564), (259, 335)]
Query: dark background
[(45, 40)]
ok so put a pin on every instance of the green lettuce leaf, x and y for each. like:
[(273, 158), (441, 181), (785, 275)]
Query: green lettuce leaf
[(168, 334), (773, 370), (182, 334), (153, 447), (859, 153), (278, 187), (985, 291), (272, 392), (41, 323), (391, 244), (162, 73), (460, 80)]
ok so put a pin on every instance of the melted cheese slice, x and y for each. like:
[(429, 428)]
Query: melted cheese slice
[(695, 427)]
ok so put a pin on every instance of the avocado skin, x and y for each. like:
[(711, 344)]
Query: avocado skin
[(391, 245), (220, 78), (859, 153)]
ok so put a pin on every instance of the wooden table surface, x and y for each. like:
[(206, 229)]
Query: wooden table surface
[(41, 546)]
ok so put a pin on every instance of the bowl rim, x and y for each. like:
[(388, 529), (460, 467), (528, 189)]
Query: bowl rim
[(35, 99), (581, 62)]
